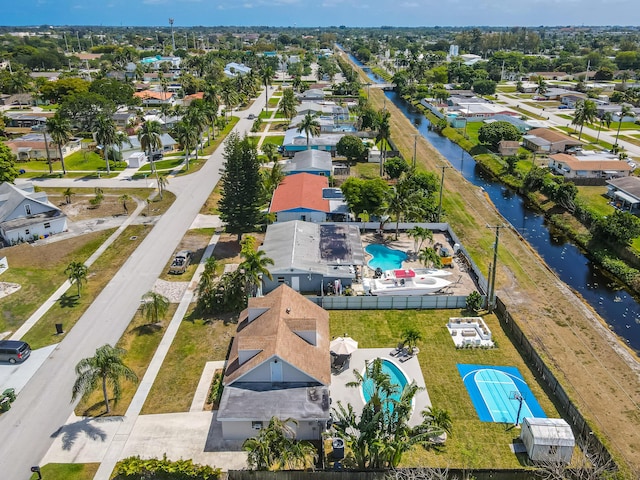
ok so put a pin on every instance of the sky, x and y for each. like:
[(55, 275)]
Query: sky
[(320, 13)]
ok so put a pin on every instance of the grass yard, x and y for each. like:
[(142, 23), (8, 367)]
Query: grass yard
[(506, 88), (169, 164), (210, 206), (275, 139), (473, 444), (196, 241), (40, 274), (140, 340), (594, 198), (70, 307), (273, 101), (366, 170), (197, 342), (67, 471)]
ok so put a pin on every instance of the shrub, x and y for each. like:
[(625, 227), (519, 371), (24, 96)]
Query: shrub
[(163, 469), (474, 301)]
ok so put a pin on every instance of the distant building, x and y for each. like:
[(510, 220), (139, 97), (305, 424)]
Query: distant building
[(234, 69)]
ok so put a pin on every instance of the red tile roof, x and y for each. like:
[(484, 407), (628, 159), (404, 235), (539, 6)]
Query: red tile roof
[(302, 190), (155, 95)]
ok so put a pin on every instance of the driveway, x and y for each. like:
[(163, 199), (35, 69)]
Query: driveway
[(17, 375)]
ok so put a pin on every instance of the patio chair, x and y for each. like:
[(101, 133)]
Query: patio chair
[(339, 362), (408, 355), (398, 350)]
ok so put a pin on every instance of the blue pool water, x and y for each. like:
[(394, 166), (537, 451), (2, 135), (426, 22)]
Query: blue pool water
[(384, 257), (397, 378)]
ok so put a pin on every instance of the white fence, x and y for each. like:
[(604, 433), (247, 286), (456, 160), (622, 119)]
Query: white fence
[(395, 302)]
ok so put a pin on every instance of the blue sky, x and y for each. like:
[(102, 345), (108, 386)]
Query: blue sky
[(305, 13)]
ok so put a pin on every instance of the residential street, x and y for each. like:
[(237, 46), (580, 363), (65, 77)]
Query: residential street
[(44, 404), (552, 115)]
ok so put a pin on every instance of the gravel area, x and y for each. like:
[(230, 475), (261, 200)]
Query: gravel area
[(172, 290)]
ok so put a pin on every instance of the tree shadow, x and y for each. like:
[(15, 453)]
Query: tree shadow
[(89, 426), (69, 301), (147, 329)]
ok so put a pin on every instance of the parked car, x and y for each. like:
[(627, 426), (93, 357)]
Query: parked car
[(14, 351), (180, 262), (251, 116)]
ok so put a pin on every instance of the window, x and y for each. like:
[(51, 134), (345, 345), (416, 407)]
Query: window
[(280, 279), (27, 208), (553, 450), (26, 232), (47, 225)]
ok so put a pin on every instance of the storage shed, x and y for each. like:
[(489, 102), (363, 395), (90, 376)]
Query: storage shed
[(137, 159), (548, 439)]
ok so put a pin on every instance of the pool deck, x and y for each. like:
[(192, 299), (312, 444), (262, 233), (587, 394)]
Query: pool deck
[(411, 368), (463, 283)]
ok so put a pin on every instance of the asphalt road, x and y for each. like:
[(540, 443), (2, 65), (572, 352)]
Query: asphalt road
[(44, 404)]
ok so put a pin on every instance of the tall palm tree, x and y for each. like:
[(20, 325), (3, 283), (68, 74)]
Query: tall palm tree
[(186, 134), (46, 147), (124, 198), (254, 264), (229, 97), (106, 132), (624, 112), (105, 367), (288, 103), (68, 193), (310, 126), (383, 136), (59, 127), (419, 235), (149, 137), (586, 112), (77, 273), (266, 74), (606, 119), (402, 201), (196, 116), (207, 283), (211, 114), (154, 306), (429, 257), (163, 181)]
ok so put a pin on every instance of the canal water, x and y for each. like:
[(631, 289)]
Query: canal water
[(616, 306)]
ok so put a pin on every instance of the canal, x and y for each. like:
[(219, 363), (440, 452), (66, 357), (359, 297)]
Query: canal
[(615, 305)]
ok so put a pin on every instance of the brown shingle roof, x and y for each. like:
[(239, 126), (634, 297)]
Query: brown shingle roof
[(552, 136), (273, 333), (595, 165)]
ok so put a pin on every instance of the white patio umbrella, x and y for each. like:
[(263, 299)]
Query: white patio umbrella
[(343, 346)]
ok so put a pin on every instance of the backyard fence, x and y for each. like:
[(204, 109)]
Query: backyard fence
[(391, 302), (584, 433)]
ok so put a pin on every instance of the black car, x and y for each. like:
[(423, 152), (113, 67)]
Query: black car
[(14, 351)]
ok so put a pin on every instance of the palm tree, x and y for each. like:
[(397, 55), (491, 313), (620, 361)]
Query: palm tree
[(383, 136), (624, 111), (46, 147), (254, 264), (163, 181), (186, 134), (271, 151), (438, 421), (266, 75), (429, 257), (288, 103), (59, 127), (77, 273), (228, 96), (419, 235), (402, 201), (105, 366), (106, 133), (68, 193), (154, 306), (410, 338), (149, 138), (207, 283), (542, 85), (196, 116), (275, 448), (124, 198), (310, 126), (586, 112), (606, 119)]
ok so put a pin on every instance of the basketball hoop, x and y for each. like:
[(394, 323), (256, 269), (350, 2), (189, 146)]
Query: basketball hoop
[(515, 395)]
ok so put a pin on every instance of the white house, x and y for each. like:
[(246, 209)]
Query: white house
[(279, 365), (548, 439), (234, 69), (27, 215)]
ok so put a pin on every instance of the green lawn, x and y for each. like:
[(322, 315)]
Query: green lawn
[(169, 164), (594, 198), (275, 139), (625, 126), (67, 471), (506, 88), (473, 444)]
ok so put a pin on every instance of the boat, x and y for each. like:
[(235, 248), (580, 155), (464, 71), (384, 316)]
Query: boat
[(415, 273), (411, 286)]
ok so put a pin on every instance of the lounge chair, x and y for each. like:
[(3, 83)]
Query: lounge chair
[(398, 350), (408, 354)]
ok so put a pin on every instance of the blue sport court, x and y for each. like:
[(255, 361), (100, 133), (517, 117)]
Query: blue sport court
[(496, 392)]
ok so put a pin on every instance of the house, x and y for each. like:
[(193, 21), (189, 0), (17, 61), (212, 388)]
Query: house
[(570, 99), (507, 148), (124, 119), (571, 166), (517, 122), (307, 197), (313, 94), (26, 120), (128, 149), (157, 62), (315, 162), (17, 99), (550, 75), (548, 439), (32, 147), (309, 256), (186, 101), (625, 193), (26, 214), (478, 111), (279, 365), (543, 140), (295, 141), (234, 69), (150, 98)]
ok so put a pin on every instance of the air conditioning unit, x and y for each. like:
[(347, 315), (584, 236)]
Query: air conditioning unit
[(256, 425)]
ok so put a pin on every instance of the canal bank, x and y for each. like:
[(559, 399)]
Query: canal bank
[(597, 371)]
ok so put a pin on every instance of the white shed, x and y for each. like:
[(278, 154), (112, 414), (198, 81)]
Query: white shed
[(548, 439), (137, 159)]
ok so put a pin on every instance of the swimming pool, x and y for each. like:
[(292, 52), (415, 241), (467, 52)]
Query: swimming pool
[(384, 257), (397, 378)]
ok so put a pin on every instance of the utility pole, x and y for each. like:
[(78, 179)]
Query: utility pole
[(173, 38), (492, 279), (443, 167), (415, 146)]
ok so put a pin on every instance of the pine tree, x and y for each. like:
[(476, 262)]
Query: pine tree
[(241, 186)]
